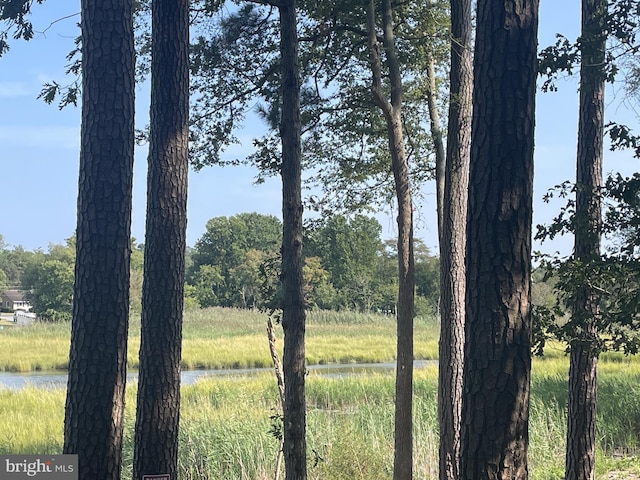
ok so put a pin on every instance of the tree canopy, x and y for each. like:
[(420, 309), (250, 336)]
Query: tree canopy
[(235, 74)]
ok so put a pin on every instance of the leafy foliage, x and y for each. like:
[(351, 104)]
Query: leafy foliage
[(235, 71), (14, 262), (619, 25), (15, 15), (49, 283), (621, 137), (226, 260), (67, 94), (614, 275), (348, 249), (48, 277), (346, 266), (235, 74)]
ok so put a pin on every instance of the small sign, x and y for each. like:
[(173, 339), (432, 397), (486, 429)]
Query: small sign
[(158, 476), (42, 467)]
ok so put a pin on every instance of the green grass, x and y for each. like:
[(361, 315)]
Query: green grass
[(36, 347), (219, 338), (31, 421), (225, 421), (225, 424)]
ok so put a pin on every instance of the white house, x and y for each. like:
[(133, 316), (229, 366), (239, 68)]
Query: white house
[(13, 300)]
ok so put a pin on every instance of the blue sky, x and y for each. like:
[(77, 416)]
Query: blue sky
[(40, 144)]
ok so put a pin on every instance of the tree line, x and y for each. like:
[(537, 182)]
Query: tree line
[(235, 262)]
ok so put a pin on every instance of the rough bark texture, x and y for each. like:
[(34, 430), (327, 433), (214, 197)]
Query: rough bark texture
[(497, 367), (97, 360), (293, 311), (392, 110), (453, 242), (158, 405), (581, 417)]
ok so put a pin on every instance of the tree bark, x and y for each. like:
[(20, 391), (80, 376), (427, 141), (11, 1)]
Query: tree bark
[(158, 404), (392, 110), (581, 417), (97, 360), (497, 369), (293, 310), (438, 144), (452, 242)]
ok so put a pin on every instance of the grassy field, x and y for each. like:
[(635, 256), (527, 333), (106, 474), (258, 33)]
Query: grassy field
[(230, 338), (226, 421)]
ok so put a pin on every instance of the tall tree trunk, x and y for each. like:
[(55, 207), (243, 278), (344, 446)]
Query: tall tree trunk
[(452, 242), (495, 410), (97, 360), (581, 418), (392, 110), (293, 310), (158, 405), (438, 144)]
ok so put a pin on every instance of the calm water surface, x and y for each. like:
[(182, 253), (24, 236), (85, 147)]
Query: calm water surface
[(16, 381)]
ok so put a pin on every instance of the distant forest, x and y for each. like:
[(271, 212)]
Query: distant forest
[(347, 265)]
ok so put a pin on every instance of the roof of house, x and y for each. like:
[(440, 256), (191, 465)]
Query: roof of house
[(13, 295)]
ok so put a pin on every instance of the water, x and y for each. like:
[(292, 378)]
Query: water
[(16, 381)]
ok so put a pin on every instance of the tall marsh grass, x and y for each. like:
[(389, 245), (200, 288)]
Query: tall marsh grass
[(31, 421), (226, 421), (36, 347), (217, 338)]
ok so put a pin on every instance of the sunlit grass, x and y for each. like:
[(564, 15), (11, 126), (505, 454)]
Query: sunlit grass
[(618, 416), (225, 421), (36, 347), (225, 424), (222, 338), (31, 421)]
